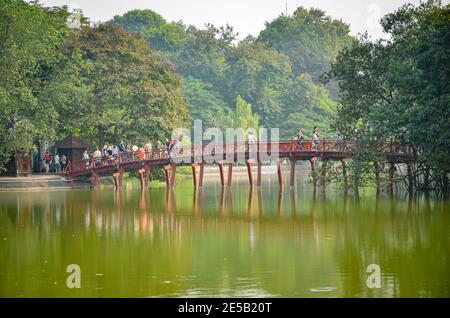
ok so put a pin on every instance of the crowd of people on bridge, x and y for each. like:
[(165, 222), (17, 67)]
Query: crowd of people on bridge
[(299, 138), (127, 152)]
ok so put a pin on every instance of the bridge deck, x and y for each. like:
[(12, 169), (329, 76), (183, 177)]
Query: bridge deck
[(225, 154)]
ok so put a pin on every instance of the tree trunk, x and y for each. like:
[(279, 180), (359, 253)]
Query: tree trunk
[(101, 136)]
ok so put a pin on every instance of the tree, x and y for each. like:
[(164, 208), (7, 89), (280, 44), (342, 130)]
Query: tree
[(242, 116), (29, 37), (259, 75), (119, 87), (205, 103), (310, 39), (154, 29), (395, 90)]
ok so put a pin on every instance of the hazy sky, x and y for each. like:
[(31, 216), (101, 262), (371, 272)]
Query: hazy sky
[(246, 16)]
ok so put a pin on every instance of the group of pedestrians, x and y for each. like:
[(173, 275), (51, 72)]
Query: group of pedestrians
[(299, 137), (56, 163), (111, 154)]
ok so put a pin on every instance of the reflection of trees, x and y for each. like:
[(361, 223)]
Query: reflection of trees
[(143, 247), (411, 248)]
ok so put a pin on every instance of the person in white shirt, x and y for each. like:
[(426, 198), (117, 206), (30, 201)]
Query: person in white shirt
[(57, 163), (316, 139), (97, 156)]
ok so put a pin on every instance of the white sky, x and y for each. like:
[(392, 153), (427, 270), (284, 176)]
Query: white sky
[(246, 16)]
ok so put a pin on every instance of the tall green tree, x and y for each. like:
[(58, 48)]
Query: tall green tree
[(243, 116), (310, 38), (29, 37), (395, 90), (123, 88)]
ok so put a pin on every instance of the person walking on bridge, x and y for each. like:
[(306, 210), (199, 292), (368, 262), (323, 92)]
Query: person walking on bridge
[(316, 140), (299, 138), (86, 159), (63, 161), (97, 156)]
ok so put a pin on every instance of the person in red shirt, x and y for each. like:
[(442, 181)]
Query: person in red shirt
[(47, 160)]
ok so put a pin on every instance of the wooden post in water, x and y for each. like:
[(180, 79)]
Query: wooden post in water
[(194, 174), (250, 202), (344, 174), (292, 176), (249, 171), (142, 178), (280, 202), (259, 180), (94, 178), (202, 172), (222, 178), (116, 180), (260, 203), (230, 174), (173, 174), (280, 173), (166, 175), (147, 175), (222, 201), (313, 170)]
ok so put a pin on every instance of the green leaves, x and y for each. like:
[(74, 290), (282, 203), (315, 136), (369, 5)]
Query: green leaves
[(29, 37), (125, 89), (398, 90)]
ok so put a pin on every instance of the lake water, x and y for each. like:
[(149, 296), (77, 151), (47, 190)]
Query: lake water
[(237, 242)]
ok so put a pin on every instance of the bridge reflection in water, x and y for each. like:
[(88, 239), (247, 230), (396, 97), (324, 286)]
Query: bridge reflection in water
[(220, 242)]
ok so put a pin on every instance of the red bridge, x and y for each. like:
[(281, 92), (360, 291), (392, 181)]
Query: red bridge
[(227, 155)]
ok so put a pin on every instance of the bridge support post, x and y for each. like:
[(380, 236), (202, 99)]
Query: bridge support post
[(230, 174), (280, 202), (94, 178), (280, 173), (292, 176), (313, 170), (194, 174), (259, 180), (166, 175), (249, 171), (118, 176), (202, 172), (142, 177), (344, 175), (250, 202), (148, 172), (173, 174), (410, 169), (222, 178)]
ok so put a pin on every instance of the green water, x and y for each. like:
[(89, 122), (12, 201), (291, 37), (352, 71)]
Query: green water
[(212, 243)]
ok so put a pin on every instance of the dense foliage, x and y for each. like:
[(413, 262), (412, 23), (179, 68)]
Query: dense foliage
[(99, 82), (277, 73), (397, 90), (29, 37)]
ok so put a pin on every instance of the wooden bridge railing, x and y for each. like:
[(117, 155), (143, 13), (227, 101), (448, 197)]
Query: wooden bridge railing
[(231, 149)]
